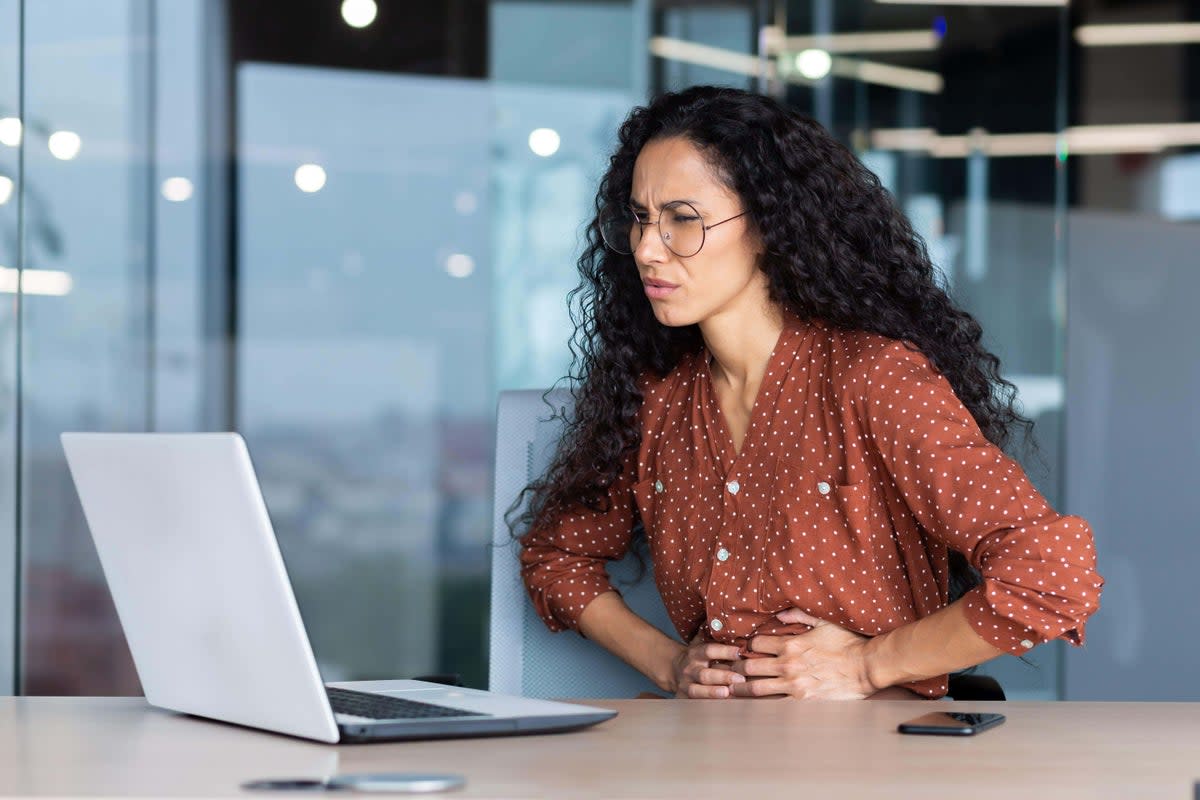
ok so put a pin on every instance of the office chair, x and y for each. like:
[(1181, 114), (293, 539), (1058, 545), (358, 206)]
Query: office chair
[(527, 659)]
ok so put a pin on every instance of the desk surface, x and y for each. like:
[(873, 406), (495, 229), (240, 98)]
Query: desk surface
[(655, 748)]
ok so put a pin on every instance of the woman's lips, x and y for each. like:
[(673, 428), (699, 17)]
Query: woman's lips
[(657, 290)]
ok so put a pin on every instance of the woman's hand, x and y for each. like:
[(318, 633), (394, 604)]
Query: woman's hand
[(825, 663), (701, 670)]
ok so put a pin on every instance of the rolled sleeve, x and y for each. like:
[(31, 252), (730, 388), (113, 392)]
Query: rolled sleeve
[(564, 566), (1038, 566)]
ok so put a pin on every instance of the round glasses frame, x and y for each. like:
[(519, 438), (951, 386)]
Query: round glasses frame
[(619, 243)]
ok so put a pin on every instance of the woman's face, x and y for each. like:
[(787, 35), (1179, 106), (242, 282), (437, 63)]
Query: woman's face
[(724, 274)]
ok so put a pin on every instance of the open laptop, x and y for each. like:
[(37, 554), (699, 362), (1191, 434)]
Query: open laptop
[(200, 587)]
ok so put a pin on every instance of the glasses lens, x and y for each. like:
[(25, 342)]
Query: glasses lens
[(617, 229), (682, 229)]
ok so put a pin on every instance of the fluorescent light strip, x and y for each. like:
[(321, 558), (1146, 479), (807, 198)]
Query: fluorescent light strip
[(705, 56), (1122, 35), (1132, 138), (1080, 140), (35, 281), (744, 64), (876, 42), (917, 80), (974, 2)]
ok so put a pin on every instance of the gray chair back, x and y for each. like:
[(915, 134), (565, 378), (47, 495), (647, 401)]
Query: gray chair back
[(527, 659)]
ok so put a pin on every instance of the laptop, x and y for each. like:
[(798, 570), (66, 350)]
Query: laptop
[(196, 575)]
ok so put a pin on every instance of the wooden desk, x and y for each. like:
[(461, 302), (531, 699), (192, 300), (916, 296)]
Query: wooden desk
[(656, 748)]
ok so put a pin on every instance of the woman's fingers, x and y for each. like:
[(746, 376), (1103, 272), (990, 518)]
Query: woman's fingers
[(698, 691), (759, 667), (794, 615), (720, 652), (719, 677), (761, 687)]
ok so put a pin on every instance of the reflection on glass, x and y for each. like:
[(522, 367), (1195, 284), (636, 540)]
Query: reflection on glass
[(94, 127), (900, 90), (82, 359), (540, 208), (366, 391)]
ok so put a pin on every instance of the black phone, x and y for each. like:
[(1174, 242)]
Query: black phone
[(950, 723)]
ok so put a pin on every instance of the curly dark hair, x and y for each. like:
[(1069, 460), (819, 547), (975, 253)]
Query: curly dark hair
[(836, 249)]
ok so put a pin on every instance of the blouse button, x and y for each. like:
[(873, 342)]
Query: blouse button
[(716, 625), (823, 487), (722, 554), (1026, 644), (658, 487), (734, 487)]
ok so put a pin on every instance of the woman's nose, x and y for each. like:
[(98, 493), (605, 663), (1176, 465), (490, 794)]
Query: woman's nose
[(651, 246)]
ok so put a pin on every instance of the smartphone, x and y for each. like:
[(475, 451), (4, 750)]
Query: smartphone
[(950, 723)]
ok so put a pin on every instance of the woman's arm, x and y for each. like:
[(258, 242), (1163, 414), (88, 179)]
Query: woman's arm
[(672, 666), (1038, 566), (563, 566), (941, 643), (833, 663), (610, 623)]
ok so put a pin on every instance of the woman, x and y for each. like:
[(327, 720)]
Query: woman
[(808, 429)]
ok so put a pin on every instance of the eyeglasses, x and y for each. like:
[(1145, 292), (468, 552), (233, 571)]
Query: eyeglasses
[(679, 224)]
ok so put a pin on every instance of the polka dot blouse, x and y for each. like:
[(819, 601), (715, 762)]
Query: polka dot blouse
[(859, 469)]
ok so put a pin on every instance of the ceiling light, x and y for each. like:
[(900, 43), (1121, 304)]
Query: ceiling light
[(975, 2), (544, 142), (309, 178), (6, 189), (742, 64), (359, 13), (876, 42), (459, 265), (10, 131), (1118, 35), (708, 56), (813, 64), (1078, 140), (916, 80), (177, 190), (35, 281), (64, 145)]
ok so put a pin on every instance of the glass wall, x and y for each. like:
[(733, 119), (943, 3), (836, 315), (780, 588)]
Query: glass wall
[(84, 335), (1132, 348), (113, 288), (10, 302), (344, 241), (901, 84), (366, 384)]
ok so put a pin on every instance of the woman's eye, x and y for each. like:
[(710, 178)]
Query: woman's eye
[(684, 218)]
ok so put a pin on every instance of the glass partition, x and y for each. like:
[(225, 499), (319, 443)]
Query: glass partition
[(901, 84), (1132, 349), (346, 242), (10, 301), (365, 386), (111, 254), (84, 332)]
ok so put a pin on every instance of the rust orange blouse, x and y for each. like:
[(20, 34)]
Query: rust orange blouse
[(859, 468)]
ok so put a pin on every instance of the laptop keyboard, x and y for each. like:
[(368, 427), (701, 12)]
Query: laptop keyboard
[(383, 706)]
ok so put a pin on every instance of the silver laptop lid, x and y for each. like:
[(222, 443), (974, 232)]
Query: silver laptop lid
[(199, 585)]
